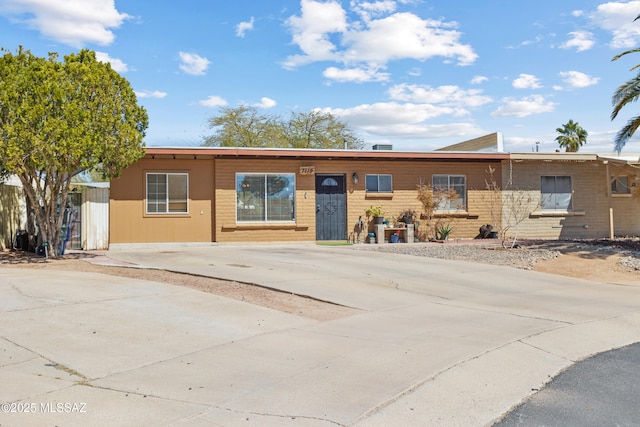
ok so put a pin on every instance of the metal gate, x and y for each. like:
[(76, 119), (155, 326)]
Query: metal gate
[(73, 228), (331, 207)]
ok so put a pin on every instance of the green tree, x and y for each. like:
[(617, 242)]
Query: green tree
[(319, 130), (58, 119), (572, 136), (626, 93), (244, 127)]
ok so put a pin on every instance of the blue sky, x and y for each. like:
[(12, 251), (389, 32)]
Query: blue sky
[(417, 74)]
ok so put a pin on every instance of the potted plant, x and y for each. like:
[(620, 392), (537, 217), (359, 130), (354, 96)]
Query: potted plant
[(443, 231), (408, 216), (377, 214)]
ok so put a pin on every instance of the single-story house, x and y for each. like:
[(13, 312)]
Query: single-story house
[(204, 195)]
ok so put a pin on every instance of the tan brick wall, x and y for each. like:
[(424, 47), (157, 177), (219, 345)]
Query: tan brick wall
[(406, 176), (626, 208), (590, 202)]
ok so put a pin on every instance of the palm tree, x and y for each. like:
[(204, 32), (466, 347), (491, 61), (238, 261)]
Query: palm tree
[(626, 93), (572, 136)]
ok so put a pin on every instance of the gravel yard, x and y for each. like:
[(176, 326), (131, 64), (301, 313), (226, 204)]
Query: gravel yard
[(520, 257), (524, 255)]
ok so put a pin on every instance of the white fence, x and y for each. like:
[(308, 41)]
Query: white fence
[(95, 219)]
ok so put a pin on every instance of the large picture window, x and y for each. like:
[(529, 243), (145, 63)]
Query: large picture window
[(167, 193), (379, 184), (555, 193), (265, 197), (450, 191)]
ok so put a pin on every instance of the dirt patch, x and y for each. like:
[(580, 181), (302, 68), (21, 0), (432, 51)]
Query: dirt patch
[(281, 301), (608, 261)]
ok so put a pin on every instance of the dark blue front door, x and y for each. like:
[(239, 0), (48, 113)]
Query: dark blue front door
[(331, 207)]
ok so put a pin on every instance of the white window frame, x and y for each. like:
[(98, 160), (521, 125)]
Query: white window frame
[(167, 201), (460, 204), (265, 201), (377, 177)]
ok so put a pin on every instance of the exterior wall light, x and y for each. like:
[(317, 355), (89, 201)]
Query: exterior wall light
[(355, 177)]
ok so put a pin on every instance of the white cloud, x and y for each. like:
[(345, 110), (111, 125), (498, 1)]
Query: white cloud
[(368, 10), (577, 13), (322, 33), (403, 120), (445, 95), (213, 101), (578, 79), (581, 40), (193, 64), (618, 18), (388, 113), (151, 94), (311, 31), (537, 39), (243, 27), (476, 80), (406, 36), (116, 64), (266, 103), (72, 22), (523, 107), (526, 81), (357, 75)]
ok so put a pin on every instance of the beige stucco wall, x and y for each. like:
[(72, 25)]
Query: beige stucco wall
[(130, 224)]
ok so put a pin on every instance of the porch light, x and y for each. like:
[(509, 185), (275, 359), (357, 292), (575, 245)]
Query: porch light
[(355, 177)]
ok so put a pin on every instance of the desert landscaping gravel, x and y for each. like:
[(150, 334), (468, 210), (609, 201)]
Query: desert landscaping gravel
[(523, 255)]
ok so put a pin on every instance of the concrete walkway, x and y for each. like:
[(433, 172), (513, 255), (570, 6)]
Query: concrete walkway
[(438, 342)]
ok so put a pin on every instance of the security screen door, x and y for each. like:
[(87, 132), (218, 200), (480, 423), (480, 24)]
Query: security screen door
[(331, 207)]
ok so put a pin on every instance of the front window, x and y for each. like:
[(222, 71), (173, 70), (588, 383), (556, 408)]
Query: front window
[(450, 191), (379, 184), (167, 193), (555, 193), (620, 185), (265, 197)]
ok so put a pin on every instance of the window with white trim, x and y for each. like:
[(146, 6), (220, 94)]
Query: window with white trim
[(167, 193), (265, 197), (450, 191), (555, 193), (379, 183), (620, 185)]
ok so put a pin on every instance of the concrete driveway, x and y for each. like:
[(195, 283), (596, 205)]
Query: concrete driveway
[(437, 342)]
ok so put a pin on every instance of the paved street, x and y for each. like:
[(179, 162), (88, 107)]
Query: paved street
[(437, 342), (602, 390)]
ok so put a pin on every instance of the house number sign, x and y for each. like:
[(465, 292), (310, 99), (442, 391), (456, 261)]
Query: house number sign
[(307, 170)]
